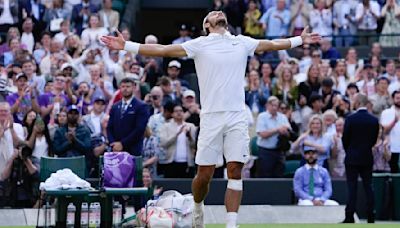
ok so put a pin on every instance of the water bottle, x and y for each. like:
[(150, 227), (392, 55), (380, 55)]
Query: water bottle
[(94, 215), (71, 215), (117, 214), (84, 215)]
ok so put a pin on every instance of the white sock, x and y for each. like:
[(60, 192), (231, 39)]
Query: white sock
[(231, 218), (199, 206)]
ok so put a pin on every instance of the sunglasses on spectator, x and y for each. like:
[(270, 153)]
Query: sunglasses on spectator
[(59, 80), (316, 56), (155, 97)]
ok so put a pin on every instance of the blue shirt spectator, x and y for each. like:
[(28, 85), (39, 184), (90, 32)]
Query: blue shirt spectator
[(316, 179), (276, 21), (266, 121)]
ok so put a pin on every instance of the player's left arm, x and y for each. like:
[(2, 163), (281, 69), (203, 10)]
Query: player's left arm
[(284, 44)]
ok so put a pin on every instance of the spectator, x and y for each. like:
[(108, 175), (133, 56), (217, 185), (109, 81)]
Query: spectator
[(353, 66), (152, 65), (10, 56), (251, 25), (253, 64), (23, 100), (57, 121), (381, 153), (100, 86), (391, 124), (84, 100), (12, 32), (169, 94), (300, 16), (155, 123), (91, 35), (128, 120), (173, 71), (271, 124), (235, 10), (150, 151), (156, 100), (286, 110), (54, 100), (312, 183), (73, 46), (343, 109), (381, 100), (376, 50), (312, 85), (36, 11), (367, 14), (72, 139), (80, 15), (7, 143), (390, 69), (321, 19), (329, 52), (366, 84), (177, 137), (328, 93), (109, 18), (267, 80), (391, 13), (316, 55), (44, 49), (184, 35), (329, 118), (64, 32), (38, 139), (275, 21), (337, 159), (254, 97), (344, 22), (316, 139), (286, 89), (340, 76), (9, 15), (27, 37), (359, 136), (51, 63), (395, 85), (304, 64), (96, 122), (190, 108), (56, 15), (376, 63)]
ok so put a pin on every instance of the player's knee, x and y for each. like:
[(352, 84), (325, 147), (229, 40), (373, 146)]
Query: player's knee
[(235, 184), (234, 171)]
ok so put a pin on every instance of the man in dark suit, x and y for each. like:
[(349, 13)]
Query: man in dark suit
[(80, 15), (128, 120), (361, 131), (36, 11)]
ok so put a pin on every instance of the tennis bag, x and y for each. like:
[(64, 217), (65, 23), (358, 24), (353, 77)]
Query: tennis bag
[(178, 205), (119, 170)]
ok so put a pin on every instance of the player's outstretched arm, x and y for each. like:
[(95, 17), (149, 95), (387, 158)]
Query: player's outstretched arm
[(283, 44), (119, 43)]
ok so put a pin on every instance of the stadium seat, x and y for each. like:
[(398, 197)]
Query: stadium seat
[(291, 167), (49, 165)]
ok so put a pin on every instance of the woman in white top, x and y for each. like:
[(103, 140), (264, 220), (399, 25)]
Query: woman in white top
[(340, 77), (321, 19), (91, 35)]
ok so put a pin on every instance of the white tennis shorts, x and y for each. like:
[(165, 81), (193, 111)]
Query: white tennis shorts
[(223, 134)]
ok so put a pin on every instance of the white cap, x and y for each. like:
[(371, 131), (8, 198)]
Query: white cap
[(65, 65), (188, 93), (174, 63)]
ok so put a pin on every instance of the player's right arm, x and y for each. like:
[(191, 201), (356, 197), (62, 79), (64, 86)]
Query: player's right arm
[(119, 43)]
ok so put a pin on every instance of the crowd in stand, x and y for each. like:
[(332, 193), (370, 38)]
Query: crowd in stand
[(62, 93)]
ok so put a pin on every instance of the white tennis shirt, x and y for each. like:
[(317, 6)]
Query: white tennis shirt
[(220, 62)]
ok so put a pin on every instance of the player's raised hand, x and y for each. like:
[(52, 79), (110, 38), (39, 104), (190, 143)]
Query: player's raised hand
[(114, 42), (310, 38)]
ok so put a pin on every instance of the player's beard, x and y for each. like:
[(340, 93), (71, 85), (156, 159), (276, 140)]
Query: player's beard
[(311, 161), (220, 23), (397, 104)]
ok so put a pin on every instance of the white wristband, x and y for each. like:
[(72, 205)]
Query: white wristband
[(131, 47), (295, 41)]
